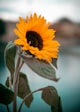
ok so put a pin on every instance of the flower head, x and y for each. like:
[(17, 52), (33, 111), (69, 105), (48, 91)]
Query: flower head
[(35, 37)]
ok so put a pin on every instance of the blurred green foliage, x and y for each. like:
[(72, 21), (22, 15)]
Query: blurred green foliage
[(2, 48), (2, 27)]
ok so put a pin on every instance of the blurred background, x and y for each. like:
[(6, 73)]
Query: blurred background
[(65, 18)]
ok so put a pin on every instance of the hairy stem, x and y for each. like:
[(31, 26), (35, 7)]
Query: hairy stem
[(15, 83), (14, 86), (10, 82)]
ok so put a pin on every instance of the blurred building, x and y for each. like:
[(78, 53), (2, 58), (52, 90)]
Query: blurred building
[(6, 30), (67, 32)]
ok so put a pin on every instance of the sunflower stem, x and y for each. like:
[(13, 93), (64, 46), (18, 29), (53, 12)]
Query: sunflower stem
[(10, 82), (15, 86), (15, 82)]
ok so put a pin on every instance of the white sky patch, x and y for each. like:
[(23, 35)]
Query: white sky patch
[(53, 12), (50, 9)]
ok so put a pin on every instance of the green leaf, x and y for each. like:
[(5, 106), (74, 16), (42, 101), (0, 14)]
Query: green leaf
[(2, 28), (6, 95), (24, 89), (7, 82), (42, 68), (10, 53), (2, 47), (59, 107), (50, 96), (54, 62)]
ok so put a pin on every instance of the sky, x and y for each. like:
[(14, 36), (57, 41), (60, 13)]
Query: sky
[(52, 10)]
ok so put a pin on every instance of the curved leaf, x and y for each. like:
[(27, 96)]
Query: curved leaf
[(2, 47), (54, 62), (10, 53), (42, 68), (24, 89), (6, 95), (59, 109), (50, 96), (7, 82)]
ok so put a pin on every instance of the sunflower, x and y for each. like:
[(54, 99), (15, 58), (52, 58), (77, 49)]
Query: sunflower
[(35, 37)]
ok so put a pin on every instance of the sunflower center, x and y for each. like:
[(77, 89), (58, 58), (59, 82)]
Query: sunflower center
[(34, 39)]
